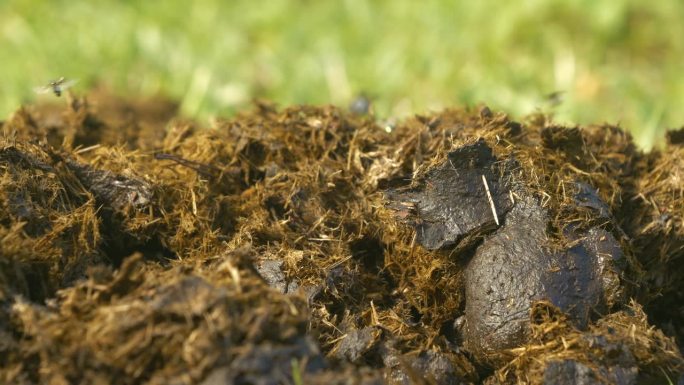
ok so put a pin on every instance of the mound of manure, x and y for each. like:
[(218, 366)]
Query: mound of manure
[(315, 245)]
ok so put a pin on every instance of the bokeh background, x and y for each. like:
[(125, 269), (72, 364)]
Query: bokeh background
[(619, 61)]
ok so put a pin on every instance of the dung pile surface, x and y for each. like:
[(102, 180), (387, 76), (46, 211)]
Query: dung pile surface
[(311, 245)]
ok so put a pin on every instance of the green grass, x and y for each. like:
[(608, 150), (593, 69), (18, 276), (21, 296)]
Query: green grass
[(620, 61)]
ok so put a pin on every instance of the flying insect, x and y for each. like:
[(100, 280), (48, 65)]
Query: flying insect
[(56, 86)]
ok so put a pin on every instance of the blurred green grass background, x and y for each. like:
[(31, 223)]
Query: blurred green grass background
[(617, 61)]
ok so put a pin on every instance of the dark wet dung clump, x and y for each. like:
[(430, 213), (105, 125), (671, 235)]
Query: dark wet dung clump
[(309, 245), (455, 200)]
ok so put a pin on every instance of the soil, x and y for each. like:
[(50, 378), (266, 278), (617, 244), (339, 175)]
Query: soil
[(320, 245)]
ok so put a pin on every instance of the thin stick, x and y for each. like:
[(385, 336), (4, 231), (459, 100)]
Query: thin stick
[(374, 314), (194, 202), (82, 150), (491, 201)]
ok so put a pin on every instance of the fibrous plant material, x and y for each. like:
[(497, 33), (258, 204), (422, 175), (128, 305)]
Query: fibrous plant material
[(309, 245), (164, 326), (620, 348), (657, 230), (51, 232)]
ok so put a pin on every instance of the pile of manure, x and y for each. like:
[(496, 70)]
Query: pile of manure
[(316, 245)]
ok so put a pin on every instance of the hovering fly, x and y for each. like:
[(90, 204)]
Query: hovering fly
[(56, 86)]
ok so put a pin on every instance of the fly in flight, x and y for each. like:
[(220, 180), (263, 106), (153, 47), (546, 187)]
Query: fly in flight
[(56, 86)]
